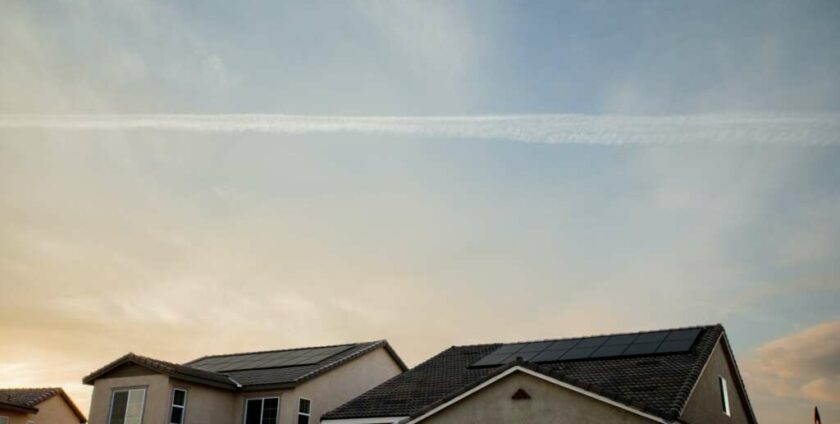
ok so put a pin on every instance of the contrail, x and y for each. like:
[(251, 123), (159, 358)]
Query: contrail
[(551, 129)]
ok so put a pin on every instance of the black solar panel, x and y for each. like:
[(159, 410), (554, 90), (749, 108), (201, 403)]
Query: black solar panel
[(279, 359), (659, 342)]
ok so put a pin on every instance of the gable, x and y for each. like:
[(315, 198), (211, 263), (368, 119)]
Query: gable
[(57, 410), (705, 403), (546, 402), (128, 370)]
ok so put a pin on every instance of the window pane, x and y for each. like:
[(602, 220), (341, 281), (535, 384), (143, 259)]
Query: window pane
[(270, 411), (179, 398), (303, 419), (253, 408), (177, 415), (134, 409), (304, 406), (118, 405), (4, 420)]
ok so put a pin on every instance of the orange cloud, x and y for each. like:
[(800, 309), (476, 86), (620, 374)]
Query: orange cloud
[(804, 365)]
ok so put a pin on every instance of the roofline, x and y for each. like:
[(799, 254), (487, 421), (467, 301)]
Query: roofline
[(372, 346), (533, 373), (72, 405), (130, 358), (691, 327), (742, 388), (723, 340), (16, 408), (51, 393), (383, 420)]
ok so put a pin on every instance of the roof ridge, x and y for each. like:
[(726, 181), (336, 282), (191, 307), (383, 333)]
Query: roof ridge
[(276, 350), (693, 375), (692, 327)]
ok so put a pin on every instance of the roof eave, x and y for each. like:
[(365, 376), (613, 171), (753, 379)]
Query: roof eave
[(17, 408)]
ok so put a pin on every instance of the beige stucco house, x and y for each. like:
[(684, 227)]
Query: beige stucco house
[(685, 375), (271, 387), (38, 406)]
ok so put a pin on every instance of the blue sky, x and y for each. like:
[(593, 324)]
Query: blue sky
[(145, 239)]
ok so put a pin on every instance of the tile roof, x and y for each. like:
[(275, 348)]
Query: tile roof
[(246, 379), (28, 399), (656, 384), (163, 367)]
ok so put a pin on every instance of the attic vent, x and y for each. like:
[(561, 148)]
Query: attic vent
[(521, 395)]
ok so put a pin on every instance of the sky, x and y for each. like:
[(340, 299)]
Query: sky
[(181, 179)]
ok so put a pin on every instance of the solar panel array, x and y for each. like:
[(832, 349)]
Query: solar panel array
[(284, 358), (659, 342)]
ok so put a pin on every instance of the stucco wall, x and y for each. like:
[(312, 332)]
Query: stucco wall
[(51, 411), (16, 417), (157, 386), (549, 403), (205, 405), (340, 385), (704, 405)]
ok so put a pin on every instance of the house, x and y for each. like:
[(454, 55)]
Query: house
[(38, 406), (685, 375), (270, 387)]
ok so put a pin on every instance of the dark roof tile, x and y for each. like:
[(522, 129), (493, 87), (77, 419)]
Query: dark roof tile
[(657, 384)]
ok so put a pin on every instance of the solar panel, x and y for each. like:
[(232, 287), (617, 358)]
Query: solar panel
[(578, 353), (675, 346), (651, 337), (683, 335), (609, 350), (550, 355), (563, 344), (270, 359), (592, 342), (641, 349), (621, 345)]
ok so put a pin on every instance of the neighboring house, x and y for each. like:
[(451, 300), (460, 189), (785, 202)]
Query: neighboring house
[(38, 406), (271, 387), (684, 375)]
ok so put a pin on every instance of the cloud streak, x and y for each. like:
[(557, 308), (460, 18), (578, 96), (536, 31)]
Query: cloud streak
[(549, 129)]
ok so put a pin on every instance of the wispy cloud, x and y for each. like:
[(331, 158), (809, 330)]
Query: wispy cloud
[(551, 129)]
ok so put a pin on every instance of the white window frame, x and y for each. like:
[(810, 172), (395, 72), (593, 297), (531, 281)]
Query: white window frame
[(724, 395), (183, 407), (308, 415), (245, 409), (114, 391)]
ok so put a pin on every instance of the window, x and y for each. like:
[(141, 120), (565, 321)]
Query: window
[(724, 395), (304, 411), (179, 406), (261, 411), (4, 420), (127, 406)]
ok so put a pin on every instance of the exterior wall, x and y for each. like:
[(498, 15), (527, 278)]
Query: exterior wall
[(17, 417), (549, 403), (205, 405), (338, 386), (704, 405), (158, 392), (51, 411), (241, 397)]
